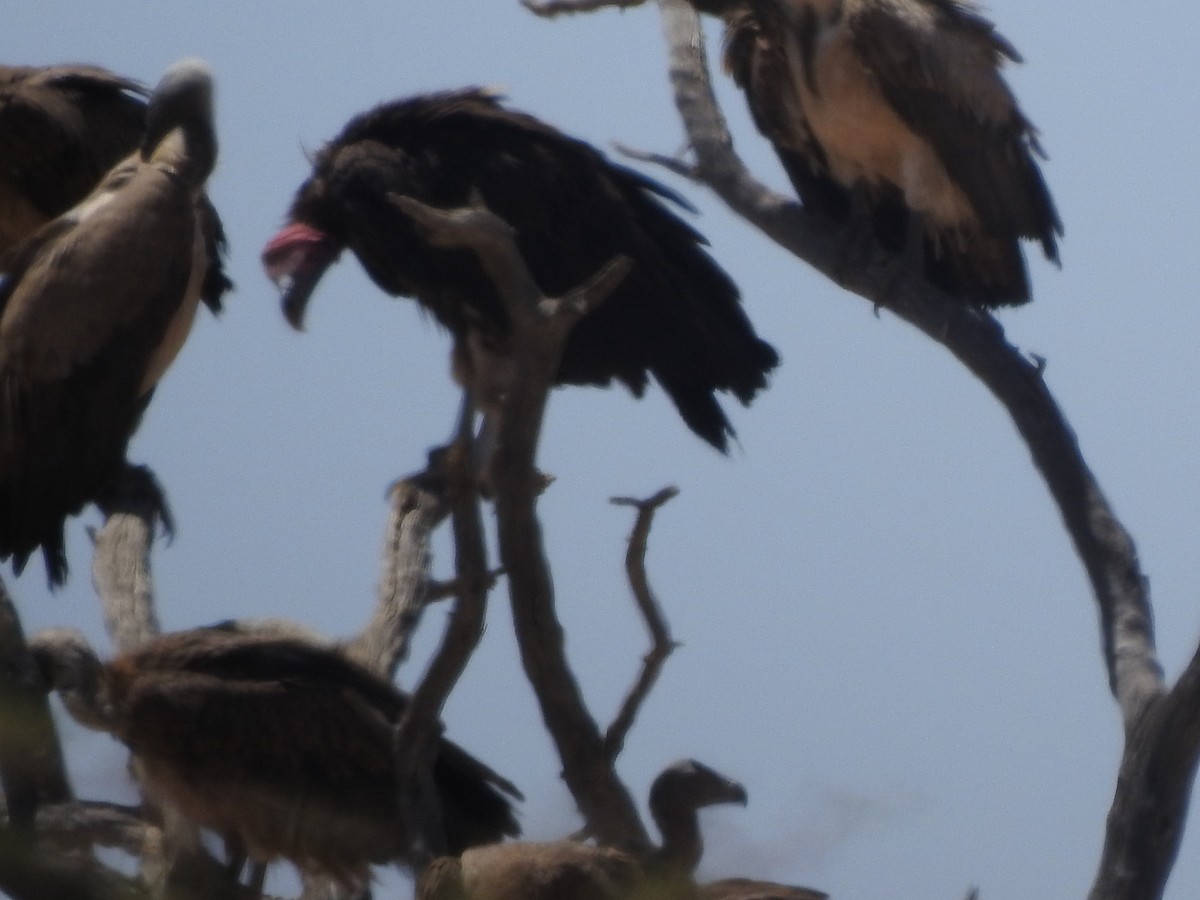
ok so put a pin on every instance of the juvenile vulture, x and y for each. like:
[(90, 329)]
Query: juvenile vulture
[(94, 306), (282, 747), (894, 113), (569, 870), (676, 316)]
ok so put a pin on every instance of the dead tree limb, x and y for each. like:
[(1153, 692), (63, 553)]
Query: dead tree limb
[(550, 8), (32, 771), (1156, 725), (540, 326), (418, 506), (661, 643), (121, 560)]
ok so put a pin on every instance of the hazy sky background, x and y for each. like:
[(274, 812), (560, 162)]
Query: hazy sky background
[(886, 633)]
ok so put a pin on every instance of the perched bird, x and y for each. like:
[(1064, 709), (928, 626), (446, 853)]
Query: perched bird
[(96, 303), (894, 114), (570, 870), (61, 129), (283, 747), (675, 317)]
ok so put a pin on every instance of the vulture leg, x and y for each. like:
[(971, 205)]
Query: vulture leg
[(486, 371), (136, 489), (258, 876)]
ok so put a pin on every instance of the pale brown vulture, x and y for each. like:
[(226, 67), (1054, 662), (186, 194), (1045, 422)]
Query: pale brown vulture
[(570, 870), (676, 317), (282, 747), (95, 304), (895, 112)]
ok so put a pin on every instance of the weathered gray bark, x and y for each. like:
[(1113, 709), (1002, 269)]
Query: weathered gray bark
[(1162, 738)]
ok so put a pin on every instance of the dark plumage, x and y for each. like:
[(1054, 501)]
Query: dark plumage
[(675, 317), (569, 870), (95, 304), (283, 747), (896, 110)]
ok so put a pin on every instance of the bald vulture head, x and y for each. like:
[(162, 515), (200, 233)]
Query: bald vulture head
[(183, 103), (282, 747), (94, 306), (571, 870)]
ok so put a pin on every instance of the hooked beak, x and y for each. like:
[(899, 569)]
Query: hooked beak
[(295, 259)]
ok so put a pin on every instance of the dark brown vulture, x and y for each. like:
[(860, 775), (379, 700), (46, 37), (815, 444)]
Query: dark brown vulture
[(676, 316), (95, 304), (895, 113), (569, 870), (61, 129), (282, 747)]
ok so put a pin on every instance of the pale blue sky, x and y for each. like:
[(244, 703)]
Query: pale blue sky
[(886, 633)]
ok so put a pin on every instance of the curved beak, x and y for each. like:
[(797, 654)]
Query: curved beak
[(295, 259)]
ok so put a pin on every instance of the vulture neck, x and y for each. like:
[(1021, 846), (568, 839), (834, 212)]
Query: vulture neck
[(682, 846), (187, 154)]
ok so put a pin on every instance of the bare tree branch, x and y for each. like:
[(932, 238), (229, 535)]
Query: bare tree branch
[(1150, 807), (660, 635), (121, 561), (84, 824), (418, 506), (550, 8), (972, 335), (32, 771), (540, 326)]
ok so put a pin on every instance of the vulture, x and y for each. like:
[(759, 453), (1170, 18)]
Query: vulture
[(96, 301), (282, 747), (676, 316), (570, 870), (893, 116)]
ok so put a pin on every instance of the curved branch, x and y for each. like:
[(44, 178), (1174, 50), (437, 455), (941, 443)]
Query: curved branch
[(972, 335), (540, 326), (660, 635)]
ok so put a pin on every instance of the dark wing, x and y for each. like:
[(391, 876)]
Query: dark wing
[(676, 316), (757, 61), (475, 808), (938, 65), (299, 769), (86, 302), (61, 129)]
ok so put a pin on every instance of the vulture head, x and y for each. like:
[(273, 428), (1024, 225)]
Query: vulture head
[(180, 129), (676, 796), (68, 665), (295, 259)]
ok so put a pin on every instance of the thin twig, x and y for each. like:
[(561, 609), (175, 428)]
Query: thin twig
[(661, 643), (550, 8)]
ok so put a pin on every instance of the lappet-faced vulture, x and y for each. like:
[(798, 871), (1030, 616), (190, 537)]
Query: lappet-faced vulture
[(676, 317), (895, 113), (570, 870), (283, 747), (96, 303)]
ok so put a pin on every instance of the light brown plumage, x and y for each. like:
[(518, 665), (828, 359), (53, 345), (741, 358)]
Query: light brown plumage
[(283, 747), (570, 870), (94, 306), (899, 106), (752, 889)]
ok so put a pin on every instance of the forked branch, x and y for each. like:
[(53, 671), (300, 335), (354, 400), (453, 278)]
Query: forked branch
[(661, 644)]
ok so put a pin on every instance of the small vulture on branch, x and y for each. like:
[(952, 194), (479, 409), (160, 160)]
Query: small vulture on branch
[(894, 114), (570, 870), (283, 747), (676, 316), (96, 303)]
